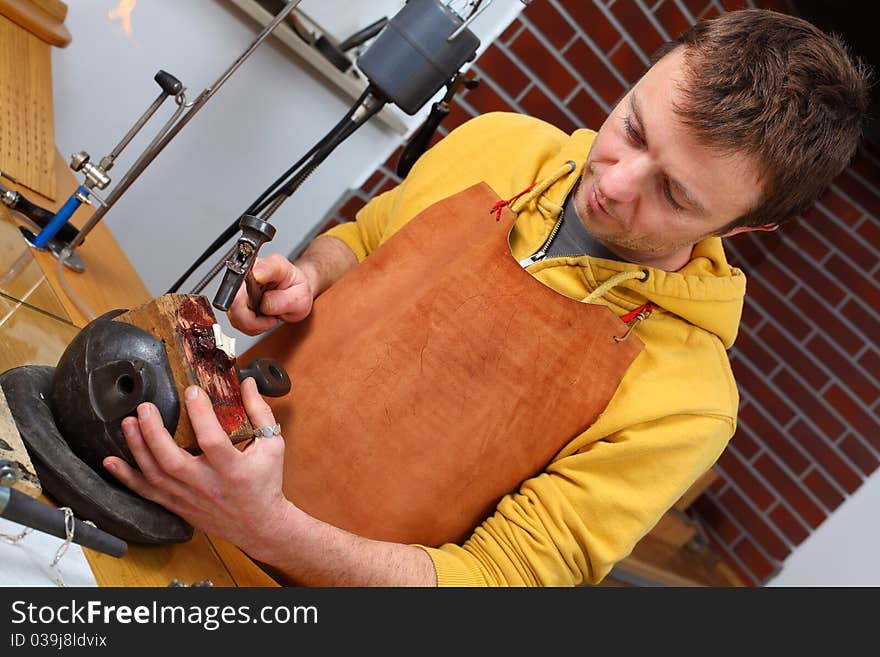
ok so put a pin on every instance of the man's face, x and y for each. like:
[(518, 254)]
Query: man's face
[(650, 190)]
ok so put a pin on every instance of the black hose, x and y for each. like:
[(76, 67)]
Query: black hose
[(272, 191)]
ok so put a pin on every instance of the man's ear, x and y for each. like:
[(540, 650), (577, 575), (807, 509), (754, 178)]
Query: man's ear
[(748, 229)]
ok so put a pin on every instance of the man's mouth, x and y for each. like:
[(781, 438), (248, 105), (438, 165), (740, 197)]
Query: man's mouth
[(596, 204)]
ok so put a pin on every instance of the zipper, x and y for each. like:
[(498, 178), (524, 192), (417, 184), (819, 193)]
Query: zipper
[(541, 253)]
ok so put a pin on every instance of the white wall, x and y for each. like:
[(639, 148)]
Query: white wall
[(264, 118), (843, 550)]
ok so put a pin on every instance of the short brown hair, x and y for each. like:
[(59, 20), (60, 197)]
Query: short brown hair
[(778, 88)]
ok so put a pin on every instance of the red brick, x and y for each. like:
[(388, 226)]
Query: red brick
[(512, 29), (856, 312), (634, 21), (745, 250), (716, 518), (741, 473), (859, 420), (793, 355), (859, 193), (351, 207), (839, 207), (710, 12), (671, 18), (789, 525), (744, 444), (734, 5), (391, 162), (752, 314), (587, 110), (457, 115), (754, 560), (754, 525), (536, 56), (774, 439), (849, 243), (809, 402), (536, 103), (755, 353), (812, 247), (595, 72), (776, 277), (811, 275), (550, 22), (485, 99), (871, 361), (869, 231), (791, 491), (823, 489), (495, 63), (856, 282), (826, 456), (842, 367), (628, 63), (372, 182), (329, 225), (863, 458), (760, 393), (836, 330), (782, 310), (696, 7), (592, 21)]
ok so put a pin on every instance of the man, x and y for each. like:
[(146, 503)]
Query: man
[(619, 403)]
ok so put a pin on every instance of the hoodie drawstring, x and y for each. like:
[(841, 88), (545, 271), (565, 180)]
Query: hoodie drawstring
[(533, 191)]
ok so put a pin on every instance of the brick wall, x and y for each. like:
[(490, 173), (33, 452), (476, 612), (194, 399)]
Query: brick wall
[(806, 361)]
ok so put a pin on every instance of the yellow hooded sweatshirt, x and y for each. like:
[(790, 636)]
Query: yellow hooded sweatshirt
[(669, 420)]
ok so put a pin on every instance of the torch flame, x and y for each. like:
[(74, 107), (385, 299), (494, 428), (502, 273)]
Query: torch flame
[(122, 13)]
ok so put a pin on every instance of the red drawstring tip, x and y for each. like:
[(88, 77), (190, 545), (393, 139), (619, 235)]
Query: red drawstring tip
[(648, 308), (500, 205)]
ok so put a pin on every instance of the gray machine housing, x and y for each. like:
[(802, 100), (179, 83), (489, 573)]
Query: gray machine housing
[(412, 58)]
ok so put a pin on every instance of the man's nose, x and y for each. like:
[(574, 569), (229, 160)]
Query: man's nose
[(624, 180)]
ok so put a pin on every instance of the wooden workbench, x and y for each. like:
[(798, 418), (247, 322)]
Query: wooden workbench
[(109, 282)]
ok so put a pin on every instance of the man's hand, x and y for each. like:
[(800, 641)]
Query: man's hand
[(224, 491), (288, 297), (237, 495)]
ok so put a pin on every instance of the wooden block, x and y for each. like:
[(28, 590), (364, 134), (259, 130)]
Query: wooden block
[(42, 18), (184, 323), (675, 528), (697, 488), (12, 448), (27, 125)]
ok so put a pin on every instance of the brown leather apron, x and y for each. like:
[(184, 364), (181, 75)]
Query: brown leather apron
[(437, 376)]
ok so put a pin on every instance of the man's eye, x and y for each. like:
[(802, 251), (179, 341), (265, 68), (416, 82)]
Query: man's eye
[(669, 197), (631, 132)]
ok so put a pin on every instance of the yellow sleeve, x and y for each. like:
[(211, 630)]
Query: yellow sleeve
[(573, 522), (365, 233)]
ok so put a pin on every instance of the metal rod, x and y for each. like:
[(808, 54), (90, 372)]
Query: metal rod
[(220, 264), (136, 127), (151, 154)]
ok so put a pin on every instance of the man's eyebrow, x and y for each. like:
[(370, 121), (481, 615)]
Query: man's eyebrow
[(637, 113)]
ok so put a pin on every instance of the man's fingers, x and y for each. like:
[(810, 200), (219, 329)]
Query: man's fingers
[(257, 409), (167, 455), (274, 271), (213, 440), (245, 319), (261, 416)]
